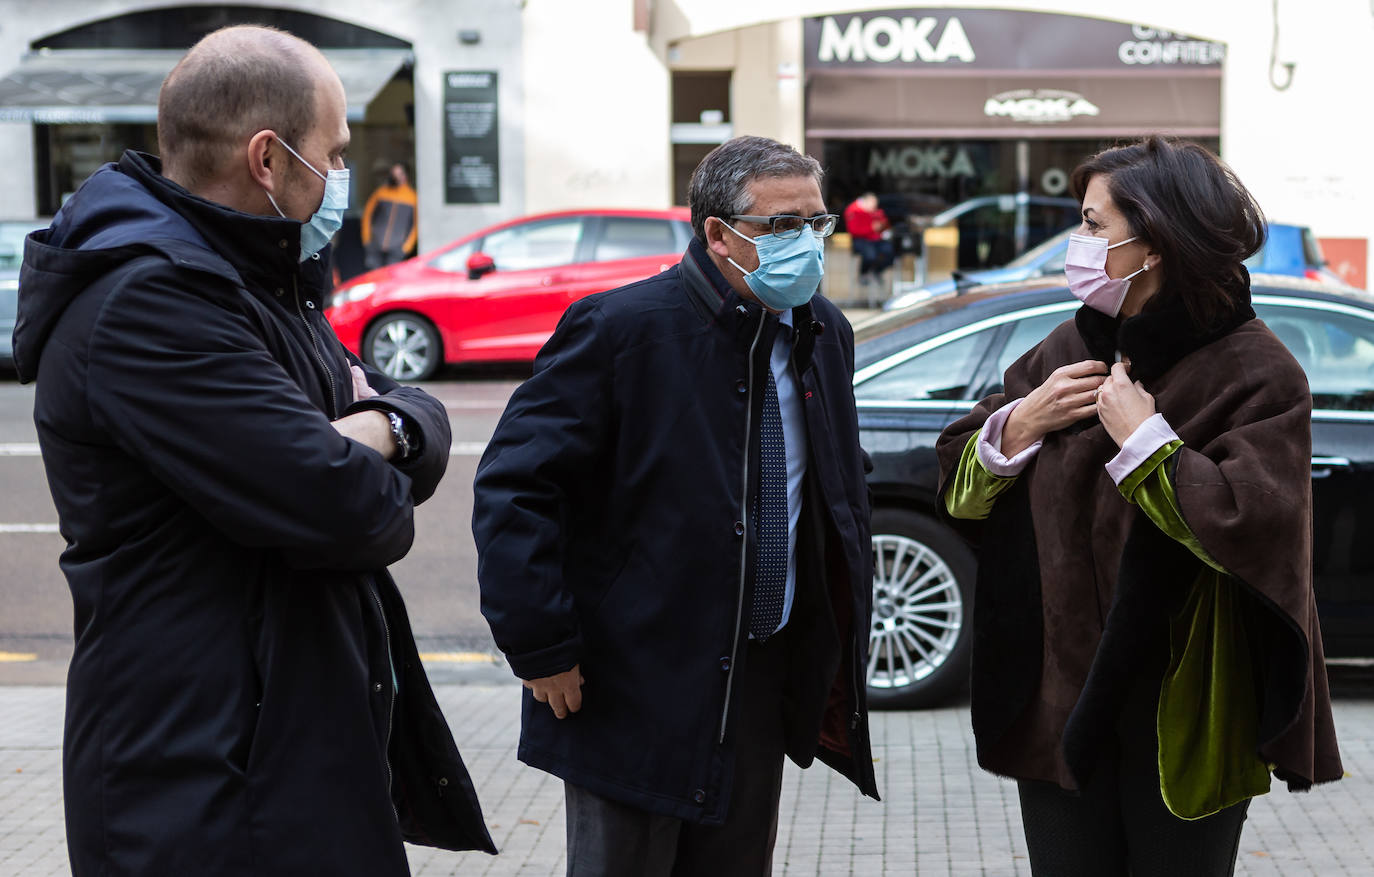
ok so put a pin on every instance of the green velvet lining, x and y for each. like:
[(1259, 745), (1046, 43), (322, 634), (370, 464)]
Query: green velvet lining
[(974, 489), (1150, 487), (1208, 719)]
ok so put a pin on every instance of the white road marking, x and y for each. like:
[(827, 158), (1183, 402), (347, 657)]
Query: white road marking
[(28, 528), (19, 449), (467, 449), (474, 405)]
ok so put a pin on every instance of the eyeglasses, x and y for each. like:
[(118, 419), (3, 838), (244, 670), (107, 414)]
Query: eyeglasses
[(787, 226)]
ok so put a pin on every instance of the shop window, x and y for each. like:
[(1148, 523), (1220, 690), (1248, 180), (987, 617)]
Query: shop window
[(68, 154), (701, 97), (701, 121)]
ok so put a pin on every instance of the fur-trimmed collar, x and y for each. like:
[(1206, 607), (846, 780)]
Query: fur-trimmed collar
[(1154, 340)]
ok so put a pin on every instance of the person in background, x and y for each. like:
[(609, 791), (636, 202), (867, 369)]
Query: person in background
[(245, 695), (870, 236), (672, 530), (389, 229), (1146, 648)]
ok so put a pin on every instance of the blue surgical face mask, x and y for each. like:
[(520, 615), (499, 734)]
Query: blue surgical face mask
[(326, 221), (790, 269)]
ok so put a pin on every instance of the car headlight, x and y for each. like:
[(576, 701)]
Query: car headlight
[(351, 294)]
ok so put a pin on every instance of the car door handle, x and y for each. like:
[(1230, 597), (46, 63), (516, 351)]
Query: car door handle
[(1323, 466)]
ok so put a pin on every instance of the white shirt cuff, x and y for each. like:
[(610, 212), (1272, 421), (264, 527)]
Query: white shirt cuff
[(1149, 437), (990, 445)]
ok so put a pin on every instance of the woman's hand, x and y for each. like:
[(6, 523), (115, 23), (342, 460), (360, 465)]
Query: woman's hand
[(1123, 406), (1066, 397)]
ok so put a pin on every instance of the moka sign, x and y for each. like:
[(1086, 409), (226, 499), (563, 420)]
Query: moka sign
[(883, 39), (994, 39)]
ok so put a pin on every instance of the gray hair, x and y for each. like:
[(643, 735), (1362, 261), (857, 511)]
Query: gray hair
[(720, 184)]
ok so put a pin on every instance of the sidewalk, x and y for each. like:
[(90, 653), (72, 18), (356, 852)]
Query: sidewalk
[(940, 815)]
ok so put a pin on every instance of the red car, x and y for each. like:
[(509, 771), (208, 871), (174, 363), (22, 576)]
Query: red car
[(496, 295)]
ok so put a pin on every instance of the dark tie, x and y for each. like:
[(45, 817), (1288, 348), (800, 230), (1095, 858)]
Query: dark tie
[(770, 519)]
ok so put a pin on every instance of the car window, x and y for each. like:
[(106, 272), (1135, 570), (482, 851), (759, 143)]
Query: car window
[(1282, 252), (624, 237), (1312, 249), (534, 245), (1025, 334), (940, 373), (1334, 348), (454, 261)]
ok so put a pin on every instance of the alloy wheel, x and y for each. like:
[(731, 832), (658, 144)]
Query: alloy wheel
[(404, 349), (918, 613)]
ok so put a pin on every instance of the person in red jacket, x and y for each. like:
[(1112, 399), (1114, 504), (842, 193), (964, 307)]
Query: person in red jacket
[(868, 230)]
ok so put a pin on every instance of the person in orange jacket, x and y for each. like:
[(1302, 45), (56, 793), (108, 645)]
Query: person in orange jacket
[(389, 221)]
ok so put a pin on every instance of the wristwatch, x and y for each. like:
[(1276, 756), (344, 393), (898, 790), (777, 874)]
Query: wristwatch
[(404, 446)]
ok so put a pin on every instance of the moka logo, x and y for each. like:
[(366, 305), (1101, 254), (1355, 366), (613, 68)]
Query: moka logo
[(1039, 105), (883, 39)]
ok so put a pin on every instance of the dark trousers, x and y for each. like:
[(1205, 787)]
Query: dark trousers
[(1119, 824), (874, 256), (610, 839)]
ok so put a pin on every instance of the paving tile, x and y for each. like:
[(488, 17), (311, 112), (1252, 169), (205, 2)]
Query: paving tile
[(941, 815)]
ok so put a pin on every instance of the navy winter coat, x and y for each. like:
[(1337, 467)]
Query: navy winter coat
[(609, 518), (230, 702)]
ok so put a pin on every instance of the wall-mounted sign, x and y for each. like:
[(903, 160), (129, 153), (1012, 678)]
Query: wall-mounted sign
[(995, 39), (1039, 105), (472, 156), (878, 106)]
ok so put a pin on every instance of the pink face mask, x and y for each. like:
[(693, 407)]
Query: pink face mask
[(1085, 266)]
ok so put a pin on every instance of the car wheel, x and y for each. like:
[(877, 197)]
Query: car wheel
[(404, 347), (922, 612)]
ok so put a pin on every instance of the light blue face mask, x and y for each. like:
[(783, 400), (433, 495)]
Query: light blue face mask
[(790, 269), (326, 221)]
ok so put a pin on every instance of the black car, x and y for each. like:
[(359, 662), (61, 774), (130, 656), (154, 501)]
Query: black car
[(921, 368)]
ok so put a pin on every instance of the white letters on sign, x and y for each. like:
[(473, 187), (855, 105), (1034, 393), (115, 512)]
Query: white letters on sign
[(883, 39), (1039, 105), (915, 161)]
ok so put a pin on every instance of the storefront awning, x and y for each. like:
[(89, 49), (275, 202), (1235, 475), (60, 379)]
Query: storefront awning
[(72, 86)]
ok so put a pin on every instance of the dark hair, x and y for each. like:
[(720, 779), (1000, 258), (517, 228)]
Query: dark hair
[(232, 84), (1192, 210), (720, 184)]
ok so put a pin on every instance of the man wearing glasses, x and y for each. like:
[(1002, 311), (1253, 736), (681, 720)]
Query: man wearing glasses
[(673, 536)]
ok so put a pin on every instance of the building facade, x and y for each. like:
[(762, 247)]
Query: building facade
[(436, 85), (505, 107)]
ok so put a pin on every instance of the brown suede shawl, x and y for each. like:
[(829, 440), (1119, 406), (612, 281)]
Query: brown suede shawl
[(1063, 548)]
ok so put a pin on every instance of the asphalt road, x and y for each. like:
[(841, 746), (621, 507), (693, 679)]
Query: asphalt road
[(438, 577)]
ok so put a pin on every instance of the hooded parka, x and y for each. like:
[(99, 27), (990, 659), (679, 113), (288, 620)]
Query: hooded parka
[(245, 696)]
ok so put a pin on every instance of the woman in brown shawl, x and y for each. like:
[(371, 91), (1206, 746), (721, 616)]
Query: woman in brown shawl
[(1146, 648)]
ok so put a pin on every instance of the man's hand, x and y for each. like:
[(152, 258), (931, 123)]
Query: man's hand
[(1122, 405), (361, 388), (562, 692), (371, 428), (1067, 396)]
